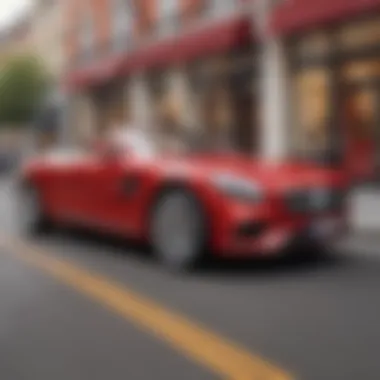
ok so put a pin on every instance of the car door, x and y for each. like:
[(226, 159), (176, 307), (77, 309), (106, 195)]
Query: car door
[(58, 187), (109, 192), (82, 195), (70, 187), (114, 188)]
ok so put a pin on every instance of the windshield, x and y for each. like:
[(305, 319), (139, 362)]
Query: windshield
[(135, 142)]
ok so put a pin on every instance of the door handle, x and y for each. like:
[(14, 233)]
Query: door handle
[(130, 185)]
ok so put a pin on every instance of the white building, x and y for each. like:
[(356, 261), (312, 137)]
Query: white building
[(47, 35)]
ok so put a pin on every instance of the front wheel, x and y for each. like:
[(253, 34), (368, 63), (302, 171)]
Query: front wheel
[(309, 250), (178, 229)]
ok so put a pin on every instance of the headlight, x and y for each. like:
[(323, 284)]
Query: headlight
[(238, 187)]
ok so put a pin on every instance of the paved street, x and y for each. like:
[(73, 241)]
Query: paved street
[(80, 307)]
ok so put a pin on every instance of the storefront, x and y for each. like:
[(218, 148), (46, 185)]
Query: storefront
[(168, 103), (223, 93), (184, 88), (110, 104), (336, 94)]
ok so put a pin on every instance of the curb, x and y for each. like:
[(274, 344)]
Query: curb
[(361, 243)]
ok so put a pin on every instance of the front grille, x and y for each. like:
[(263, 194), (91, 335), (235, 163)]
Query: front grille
[(314, 200), (251, 229)]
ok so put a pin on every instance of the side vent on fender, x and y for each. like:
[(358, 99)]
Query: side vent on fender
[(130, 185)]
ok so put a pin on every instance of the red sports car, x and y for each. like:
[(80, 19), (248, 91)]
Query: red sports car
[(186, 206)]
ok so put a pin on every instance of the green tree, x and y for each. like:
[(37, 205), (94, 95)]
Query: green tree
[(23, 86)]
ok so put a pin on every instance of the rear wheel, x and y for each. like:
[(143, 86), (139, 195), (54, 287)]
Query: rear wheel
[(178, 229), (31, 215)]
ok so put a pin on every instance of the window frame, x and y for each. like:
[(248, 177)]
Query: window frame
[(122, 32), (168, 18), (213, 8), (87, 36), (333, 62)]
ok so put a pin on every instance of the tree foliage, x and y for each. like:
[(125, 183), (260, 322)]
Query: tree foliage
[(23, 85)]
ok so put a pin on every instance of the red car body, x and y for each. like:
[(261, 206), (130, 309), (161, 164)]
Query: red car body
[(116, 194)]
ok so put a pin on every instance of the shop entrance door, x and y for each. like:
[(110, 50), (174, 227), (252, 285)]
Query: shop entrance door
[(110, 106), (244, 106), (361, 107), (361, 118), (245, 131)]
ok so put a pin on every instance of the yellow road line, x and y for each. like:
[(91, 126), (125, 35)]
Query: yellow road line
[(215, 353)]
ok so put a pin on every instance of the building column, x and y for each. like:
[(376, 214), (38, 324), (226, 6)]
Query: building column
[(180, 90), (83, 117), (139, 102), (274, 106), (70, 120), (273, 85), (64, 122)]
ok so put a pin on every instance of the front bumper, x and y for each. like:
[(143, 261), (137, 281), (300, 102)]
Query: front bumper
[(275, 239)]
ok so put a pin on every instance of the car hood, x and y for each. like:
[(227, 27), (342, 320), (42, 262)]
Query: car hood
[(276, 176)]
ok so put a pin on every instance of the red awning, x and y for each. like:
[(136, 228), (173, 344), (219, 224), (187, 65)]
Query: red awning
[(208, 40), (291, 16), (98, 73)]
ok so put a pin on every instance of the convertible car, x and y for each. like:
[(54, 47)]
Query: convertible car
[(186, 206)]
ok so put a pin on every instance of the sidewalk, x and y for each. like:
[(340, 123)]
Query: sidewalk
[(364, 238), (365, 210), (361, 243)]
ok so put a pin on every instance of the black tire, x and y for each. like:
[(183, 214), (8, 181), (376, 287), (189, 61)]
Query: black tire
[(320, 251), (31, 215), (190, 252), (309, 250)]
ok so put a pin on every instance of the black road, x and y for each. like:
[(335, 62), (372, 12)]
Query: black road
[(317, 320)]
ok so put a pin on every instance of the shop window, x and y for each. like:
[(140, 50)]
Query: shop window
[(123, 22), (361, 111), (244, 129), (359, 34), (110, 105), (241, 71), (87, 35), (315, 45), (361, 140), (361, 70), (211, 72), (311, 109), (360, 115), (362, 100), (217, 110), (175, 101), (210, 82), (217, 8), (169, 109), (223, 100), (165, 103), (168, 16)]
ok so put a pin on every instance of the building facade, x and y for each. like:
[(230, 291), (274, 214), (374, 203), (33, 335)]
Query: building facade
[(48, 48), (334, 67), (175, 64), (15, 39), (47, 36), (304, 83)]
